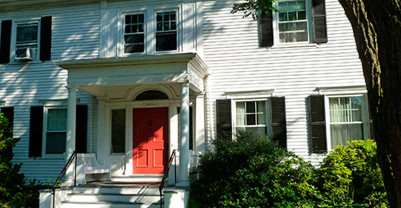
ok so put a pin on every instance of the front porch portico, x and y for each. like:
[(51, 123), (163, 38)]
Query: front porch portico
[(117, 84)]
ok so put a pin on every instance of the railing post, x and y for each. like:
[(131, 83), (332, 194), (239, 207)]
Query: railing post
[(75, 169), (175, 166)]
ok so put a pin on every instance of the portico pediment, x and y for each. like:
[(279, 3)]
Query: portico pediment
[(167, 68)]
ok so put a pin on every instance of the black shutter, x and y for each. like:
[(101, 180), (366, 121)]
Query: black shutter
[(81, 133), (36, 131), (223, 112), (9, 114), (45, 38), (318, 124), (5, 41), (279, 127), (266, 29), (319, 21)]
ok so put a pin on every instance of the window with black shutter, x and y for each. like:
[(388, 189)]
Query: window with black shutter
[(293, 19)]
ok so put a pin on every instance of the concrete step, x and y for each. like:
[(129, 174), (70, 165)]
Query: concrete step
[(144, 178), (68, 204), (141, 190), (120, 198)]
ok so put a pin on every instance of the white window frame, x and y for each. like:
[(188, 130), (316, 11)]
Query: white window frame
[(13, 47), (267, 116), (150, 24), (365, 115), (44, 139), (309, 19), (178, 24), (145, 29)]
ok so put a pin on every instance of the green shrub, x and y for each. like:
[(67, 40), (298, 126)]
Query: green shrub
[(350, 176), (252, 172), (15, 191)]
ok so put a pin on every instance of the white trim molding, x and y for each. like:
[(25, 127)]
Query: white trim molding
[(346, 89), (238, 94)]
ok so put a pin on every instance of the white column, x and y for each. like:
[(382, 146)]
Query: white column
[(183, 173), (101, 138), (71, 121), (70, 140)]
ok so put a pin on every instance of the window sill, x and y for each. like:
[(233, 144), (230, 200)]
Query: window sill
[(295, 45), (13, 63)]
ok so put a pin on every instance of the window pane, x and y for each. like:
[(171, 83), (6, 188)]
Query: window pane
[(301, 15), (118, 131), (134, 48), (250, 120), (257, 131), (27, 33), (356, 109), (166, 41), (250, 107), (240, 111), (283, 16), (55, 142), (139, 38), (56, 120), (341, 133), (292, 16)]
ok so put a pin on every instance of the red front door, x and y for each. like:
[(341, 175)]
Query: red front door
[(150, 140)]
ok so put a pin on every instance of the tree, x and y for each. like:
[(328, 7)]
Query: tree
[(377, 31)]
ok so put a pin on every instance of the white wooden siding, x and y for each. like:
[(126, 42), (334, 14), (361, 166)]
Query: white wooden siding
[(228, 44), (75, 36), (232, 53)]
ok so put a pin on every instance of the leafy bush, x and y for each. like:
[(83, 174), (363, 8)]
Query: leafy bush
[(15, 191), (350, 176), (253, 172)]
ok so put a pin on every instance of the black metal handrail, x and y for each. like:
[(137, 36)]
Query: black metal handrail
[(165, 175), (72, 158)]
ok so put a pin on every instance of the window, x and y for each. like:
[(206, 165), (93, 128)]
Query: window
[(166, 31), (347, 119), (134, 34), (27, 41), (251, 117), (55, 130), (292, 21), (118, 131)]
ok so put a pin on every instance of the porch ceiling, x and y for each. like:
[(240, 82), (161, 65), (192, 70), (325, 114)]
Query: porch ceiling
[(168, 68)]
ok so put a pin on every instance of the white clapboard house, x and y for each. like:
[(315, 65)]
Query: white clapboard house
[(120, 87)]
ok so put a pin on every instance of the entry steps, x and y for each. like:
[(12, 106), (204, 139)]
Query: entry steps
[(114, 196)]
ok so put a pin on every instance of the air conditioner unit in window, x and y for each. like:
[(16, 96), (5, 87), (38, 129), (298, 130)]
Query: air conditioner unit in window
[(23, 54)]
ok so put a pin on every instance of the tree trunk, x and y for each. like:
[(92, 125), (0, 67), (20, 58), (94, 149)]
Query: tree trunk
[(377, 30)]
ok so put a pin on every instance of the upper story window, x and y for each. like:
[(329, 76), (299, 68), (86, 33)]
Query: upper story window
[(134, 34), (26, 45), (292, 21), (296, 21), (26, 40), (166, 31)]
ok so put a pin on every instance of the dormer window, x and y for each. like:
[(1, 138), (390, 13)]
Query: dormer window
[(166, 35), (26, 45)]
